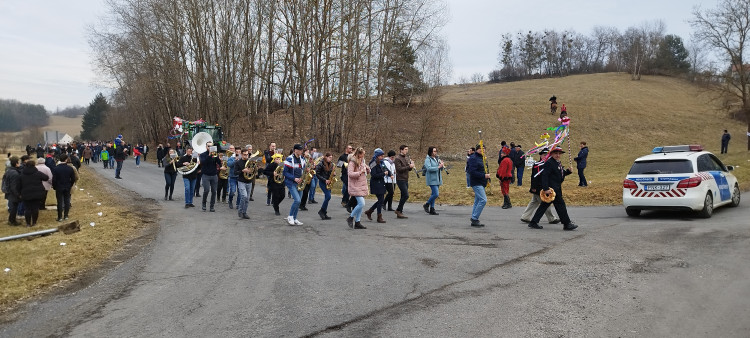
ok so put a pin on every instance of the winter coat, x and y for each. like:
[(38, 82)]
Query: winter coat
[(402, 167), (49, 162), (268, 171), (377, 177), (552, 175), (64, 177), (433, 175), (186, 159), (475, 169), (536, 181), (13, 177), (48, 183), (120, 154), (725, 138), (87, 153), (168, 167), (520, 160), (321, 172), (581, 158), (505, 171), (209, 164), (160, 152), (31, 186), (342, 163), (357, 180), (293, 168), (391, 167), (230, 165)]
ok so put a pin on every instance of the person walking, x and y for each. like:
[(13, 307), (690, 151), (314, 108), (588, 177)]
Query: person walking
[(552, 175), (121, 153), (323, 172), (233, 177), (32, 191), (469, 152), (64, 178), (170, 173), (390, 180), (357, 171), (581, 164), (433, 177), (293, 170), (160, 153), (725, 141), (477, 181), (188, 179), (314, 156), (244, 185), (12, 188), (276, 189), (209, 166), (535, 188), (87, 154), (268, 159), (505, 176), (342, 164), (378, 172), (137, 155), (404, 165)]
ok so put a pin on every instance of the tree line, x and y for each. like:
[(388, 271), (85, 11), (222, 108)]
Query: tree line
[(638, 50), (237, 62), (19, 116)]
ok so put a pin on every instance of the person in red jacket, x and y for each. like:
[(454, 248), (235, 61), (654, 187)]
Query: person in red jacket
[(505, 175)]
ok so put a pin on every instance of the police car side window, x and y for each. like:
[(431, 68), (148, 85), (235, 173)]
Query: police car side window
[(704, 163), (717, 164)]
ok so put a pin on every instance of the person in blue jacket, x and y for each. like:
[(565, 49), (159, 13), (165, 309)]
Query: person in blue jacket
[(433, 167), (477, 180), (581, 164)]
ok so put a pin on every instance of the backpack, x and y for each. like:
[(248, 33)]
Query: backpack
[(105, 155), (6, 184)]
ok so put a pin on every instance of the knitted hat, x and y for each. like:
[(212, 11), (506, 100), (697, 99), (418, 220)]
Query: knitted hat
[(378, 152)]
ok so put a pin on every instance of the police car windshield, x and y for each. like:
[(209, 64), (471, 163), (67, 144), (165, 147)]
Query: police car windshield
[(661, 167)]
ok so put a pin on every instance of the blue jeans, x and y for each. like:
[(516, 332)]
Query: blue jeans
[(435, 194), (357, 211), (170, 179), (189, 189), (519, 175), (292, 188), (468, 182), (313, 185), (111, 162), (327, 197), (480, 199), (233, 188), (138, 160), (243, 196), (119, 168)]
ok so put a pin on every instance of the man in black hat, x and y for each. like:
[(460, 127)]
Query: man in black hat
[(552, 176)]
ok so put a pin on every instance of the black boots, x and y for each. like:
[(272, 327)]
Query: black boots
[(535, 225), (569, 226), (475, 223), (231, 205), (432, 211), (359, 225), (426, 207), (506, 202), (350, 221), (323, 215)]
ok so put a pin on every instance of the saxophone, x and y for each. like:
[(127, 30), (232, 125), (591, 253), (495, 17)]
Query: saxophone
[(332, 179)]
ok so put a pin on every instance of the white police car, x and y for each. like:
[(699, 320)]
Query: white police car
[(679, 178)]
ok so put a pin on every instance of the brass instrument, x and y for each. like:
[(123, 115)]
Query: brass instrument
[(307, 174), (224, 171), (189, 168), (199, 145), (332, 179), (252, 164), (278, 174)]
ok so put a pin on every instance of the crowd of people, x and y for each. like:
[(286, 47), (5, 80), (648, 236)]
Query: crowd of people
[(296, 175), (362, 175)]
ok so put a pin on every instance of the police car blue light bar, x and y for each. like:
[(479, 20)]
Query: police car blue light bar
[(680, 148)]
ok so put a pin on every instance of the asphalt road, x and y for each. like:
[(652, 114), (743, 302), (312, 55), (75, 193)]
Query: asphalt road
[(214, 275)]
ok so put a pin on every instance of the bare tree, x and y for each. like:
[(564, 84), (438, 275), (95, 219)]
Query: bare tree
[(726, 30)]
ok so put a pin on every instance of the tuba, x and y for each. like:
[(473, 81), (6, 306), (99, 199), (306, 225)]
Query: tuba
[(199, 146), (224, 171)]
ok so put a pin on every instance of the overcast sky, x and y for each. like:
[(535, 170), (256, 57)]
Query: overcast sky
[(45, 59)]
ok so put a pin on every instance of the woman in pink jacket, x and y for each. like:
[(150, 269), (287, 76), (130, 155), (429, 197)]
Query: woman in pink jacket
[(357, 171)]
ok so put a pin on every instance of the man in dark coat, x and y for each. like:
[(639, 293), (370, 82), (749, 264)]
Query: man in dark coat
[(725, 141), (121, 153), (63, 179), (32, 191), (519, 161), (159, 155), (11, 182), (552, 176), (581, 164)]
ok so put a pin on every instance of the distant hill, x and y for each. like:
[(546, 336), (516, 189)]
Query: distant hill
[(68, 125)]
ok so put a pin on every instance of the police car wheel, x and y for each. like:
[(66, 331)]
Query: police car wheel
[(708, 206), (632, 212), (735, 196)]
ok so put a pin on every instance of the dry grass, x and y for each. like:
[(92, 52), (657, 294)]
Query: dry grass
[(620, 120), (43, 264), (68, 125)]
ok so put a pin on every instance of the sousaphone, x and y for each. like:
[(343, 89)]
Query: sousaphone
[(199, 146)]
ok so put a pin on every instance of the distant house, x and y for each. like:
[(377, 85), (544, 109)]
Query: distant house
[(54, 136)]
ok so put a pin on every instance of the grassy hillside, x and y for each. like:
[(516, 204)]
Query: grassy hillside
[(619, 118), (70, 126)]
